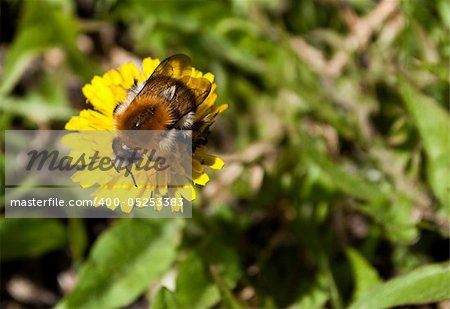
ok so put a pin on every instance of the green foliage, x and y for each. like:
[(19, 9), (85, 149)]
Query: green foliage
[(365, 276), (25, 238), (423, 285), (335, 191), (194, 284), (164, 300), (44, 24), (123, 262), (433, 124), (77, 238)]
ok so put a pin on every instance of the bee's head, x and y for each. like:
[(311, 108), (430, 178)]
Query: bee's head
[(124, 153)]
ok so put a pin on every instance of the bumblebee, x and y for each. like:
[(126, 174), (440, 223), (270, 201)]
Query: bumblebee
[(167, 101)]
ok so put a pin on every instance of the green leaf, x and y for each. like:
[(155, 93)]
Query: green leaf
[(348, 182), (393, 214), (34, 106), (365, 276), (124, 261), (229, 301), (23, 238), (444, 12), (224, 257), (25, 48), (424, 285), (77, 235), (43, 25), (165, 299), (317, 294), (194, 286), (433, 124), (47, 102)]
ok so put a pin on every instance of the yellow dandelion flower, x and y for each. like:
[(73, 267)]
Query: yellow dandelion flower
[(105, 94)]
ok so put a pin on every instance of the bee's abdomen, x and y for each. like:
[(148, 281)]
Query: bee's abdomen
[(173, 93)]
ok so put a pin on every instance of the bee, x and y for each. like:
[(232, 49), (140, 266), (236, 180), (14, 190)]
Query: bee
[(167, 101)]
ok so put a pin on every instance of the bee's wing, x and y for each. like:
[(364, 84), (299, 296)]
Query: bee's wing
[(179, 67), (201, 87), (176, 66)]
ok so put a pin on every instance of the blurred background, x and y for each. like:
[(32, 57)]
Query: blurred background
[(335, 188)]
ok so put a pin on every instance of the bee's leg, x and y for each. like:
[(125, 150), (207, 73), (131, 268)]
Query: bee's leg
[(200, 140), (189, 121), (186, 122), (169, 140), (113, 163), (132, 176)]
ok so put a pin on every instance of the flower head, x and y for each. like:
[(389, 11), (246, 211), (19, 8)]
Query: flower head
[(104, 93)]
